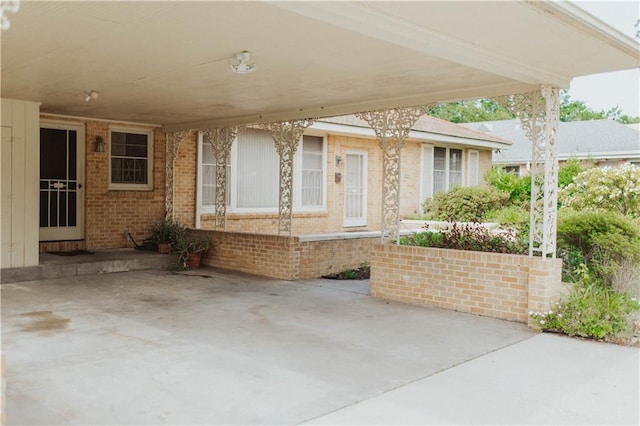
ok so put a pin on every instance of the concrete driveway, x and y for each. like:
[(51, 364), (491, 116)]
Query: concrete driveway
[(153, 347)]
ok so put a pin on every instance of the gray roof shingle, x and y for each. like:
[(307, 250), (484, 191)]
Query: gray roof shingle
[(427, 123), (582, 139)]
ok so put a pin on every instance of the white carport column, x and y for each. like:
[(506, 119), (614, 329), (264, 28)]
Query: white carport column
[(539, 113), (286, 135), (172, 145), (221, 141), (392, 127)]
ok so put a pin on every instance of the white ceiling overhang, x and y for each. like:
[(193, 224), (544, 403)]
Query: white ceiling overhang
[(167, 62)]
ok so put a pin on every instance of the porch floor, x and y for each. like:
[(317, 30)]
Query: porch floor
[(101, 262)]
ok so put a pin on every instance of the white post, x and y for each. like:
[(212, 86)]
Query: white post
[(392, 127)]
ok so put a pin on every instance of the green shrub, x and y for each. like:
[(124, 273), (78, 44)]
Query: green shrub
[(510, 217), (427, 209), (467, 204), (468, 237), (568, 171), (590, 311), (602, 240), (518, 187)]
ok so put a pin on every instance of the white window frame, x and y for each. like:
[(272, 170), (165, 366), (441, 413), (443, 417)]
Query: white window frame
[(233, 182), (150, 153), (297, 178), (200, 180), (428, 192), (519, 173)]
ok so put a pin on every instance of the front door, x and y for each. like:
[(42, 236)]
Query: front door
[(61, 182), (355, 189)]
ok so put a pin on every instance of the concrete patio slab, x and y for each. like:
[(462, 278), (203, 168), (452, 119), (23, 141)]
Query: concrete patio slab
[(548, 379), (211, 347)]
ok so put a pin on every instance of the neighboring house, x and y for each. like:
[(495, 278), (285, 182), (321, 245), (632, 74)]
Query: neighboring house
[(605, 142), (337, 175)]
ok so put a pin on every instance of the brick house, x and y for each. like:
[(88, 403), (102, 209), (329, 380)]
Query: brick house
[(337, 175), (94, 94)]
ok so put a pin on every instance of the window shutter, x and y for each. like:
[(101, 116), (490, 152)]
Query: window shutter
[(426, 184), (312, 171), (473, 168)]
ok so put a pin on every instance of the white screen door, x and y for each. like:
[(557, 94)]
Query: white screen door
[(61, 180), (355, 189)]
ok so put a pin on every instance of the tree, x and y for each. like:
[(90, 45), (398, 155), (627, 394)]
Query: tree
[(489, 110), (571, 110), (577, 110), (471, 111)]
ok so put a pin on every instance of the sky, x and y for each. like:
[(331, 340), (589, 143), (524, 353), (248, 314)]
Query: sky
[(622, 88)]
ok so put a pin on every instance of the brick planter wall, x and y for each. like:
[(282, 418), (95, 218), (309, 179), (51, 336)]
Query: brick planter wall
[(330, 256), (287, 258), (501, 286)]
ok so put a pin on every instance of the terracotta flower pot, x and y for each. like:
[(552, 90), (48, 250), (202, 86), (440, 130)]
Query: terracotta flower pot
[(193, 260), (164, 248)]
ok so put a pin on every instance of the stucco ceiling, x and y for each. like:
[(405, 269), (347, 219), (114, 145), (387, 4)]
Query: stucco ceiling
[(167, 62)]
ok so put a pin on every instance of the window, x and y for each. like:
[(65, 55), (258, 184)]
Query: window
[(131, 159), (257, 167), (253, 174), (312, 179), (441, 170), (207, 185), (447, 169), (512, 169)]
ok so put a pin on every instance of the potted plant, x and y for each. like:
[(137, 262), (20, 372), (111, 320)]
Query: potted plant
[(190, 250), (164, 233)]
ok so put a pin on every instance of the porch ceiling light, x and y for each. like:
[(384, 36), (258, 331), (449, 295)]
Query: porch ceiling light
[(243, 66), (90, 94)]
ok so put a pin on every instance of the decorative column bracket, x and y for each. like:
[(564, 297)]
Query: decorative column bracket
[(221, 141), (286, 135), (392, 127), (173, 142), (539, 114)]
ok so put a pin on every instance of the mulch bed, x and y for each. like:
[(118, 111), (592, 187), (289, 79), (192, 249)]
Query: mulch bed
[(362, 273)]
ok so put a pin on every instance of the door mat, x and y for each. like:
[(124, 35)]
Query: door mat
[(70, 253)]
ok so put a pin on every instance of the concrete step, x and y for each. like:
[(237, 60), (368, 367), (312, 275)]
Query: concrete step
[(102, 262)]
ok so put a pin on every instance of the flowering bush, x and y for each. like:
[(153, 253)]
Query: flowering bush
[(590, 311), (611, 188)]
